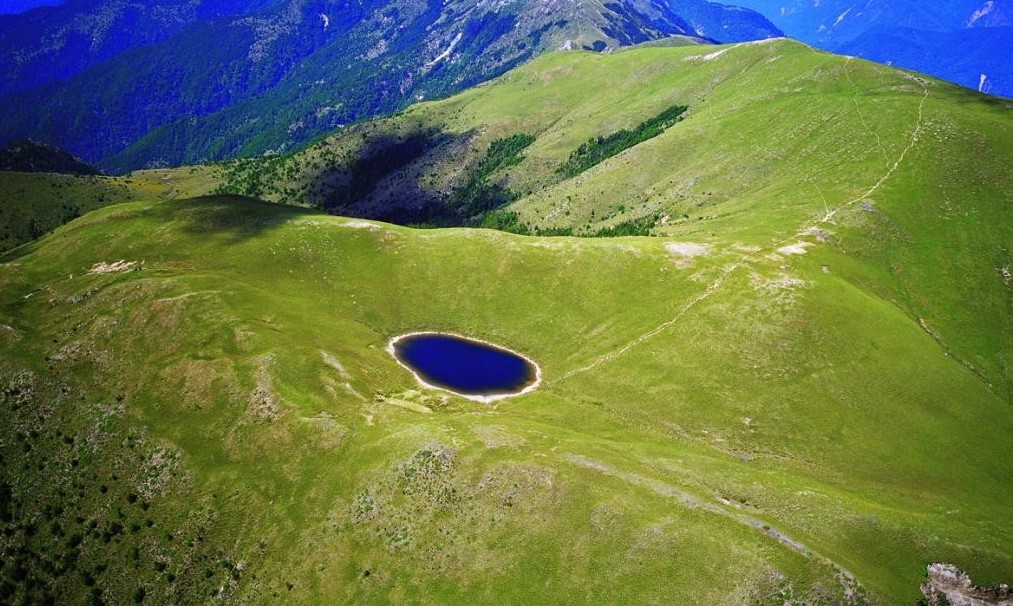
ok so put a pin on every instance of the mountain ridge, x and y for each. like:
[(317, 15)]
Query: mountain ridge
[(970, 60), (957, 40)]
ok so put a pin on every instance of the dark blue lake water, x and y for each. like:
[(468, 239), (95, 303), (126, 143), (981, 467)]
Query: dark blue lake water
[(464, 366)]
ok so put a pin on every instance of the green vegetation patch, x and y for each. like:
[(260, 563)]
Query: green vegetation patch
[(597, 150), (478, 196), (634, 227), (504, 153), (35, 203), (250, 176)]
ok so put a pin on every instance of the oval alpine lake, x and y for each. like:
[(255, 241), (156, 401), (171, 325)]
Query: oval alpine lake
[(470, 368)]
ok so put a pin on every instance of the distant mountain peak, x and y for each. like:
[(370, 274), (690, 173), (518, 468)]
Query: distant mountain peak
[(957, 40), (30, 156)]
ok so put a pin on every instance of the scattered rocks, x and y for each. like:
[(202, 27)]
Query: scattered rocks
[(799, 248), (158, 469), (821, 235), (742, 456), (264, 403), (364, 507), (83, 296), (427, 464), (115, 267), (688, 249), (9, 333), (783, 282)]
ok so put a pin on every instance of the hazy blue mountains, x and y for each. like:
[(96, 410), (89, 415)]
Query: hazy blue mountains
[(964, 41)]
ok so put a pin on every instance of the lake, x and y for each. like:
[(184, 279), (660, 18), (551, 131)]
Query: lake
[(474, 369)]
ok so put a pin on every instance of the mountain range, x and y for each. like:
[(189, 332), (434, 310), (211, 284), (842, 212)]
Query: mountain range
[(127, 85), (120, 85), (963, 41)]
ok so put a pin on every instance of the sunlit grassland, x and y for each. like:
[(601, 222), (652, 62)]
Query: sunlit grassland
[(803, 375)]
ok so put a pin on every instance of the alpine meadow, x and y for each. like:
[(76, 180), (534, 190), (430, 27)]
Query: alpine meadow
[(768, 291)]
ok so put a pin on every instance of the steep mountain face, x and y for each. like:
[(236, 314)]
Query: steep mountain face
[(831, 23), (797, 390), (963, 41), (283, 72), (56, 44), (723, 23), (993, 13)]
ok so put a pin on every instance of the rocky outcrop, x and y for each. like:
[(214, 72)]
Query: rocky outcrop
[(948, 585)]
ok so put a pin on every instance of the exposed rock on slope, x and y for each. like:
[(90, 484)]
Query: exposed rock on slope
[(947, 584)]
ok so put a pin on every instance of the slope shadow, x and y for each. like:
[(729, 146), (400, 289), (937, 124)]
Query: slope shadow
[(391, 178), (233, 218)]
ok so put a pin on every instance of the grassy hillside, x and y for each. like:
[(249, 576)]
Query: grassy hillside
[(799, 392), (774, 124), (33, 204), (780, 143)]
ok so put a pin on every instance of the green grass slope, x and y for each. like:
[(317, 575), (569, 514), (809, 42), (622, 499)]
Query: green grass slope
[(33, 204), (800, 394), (781, 142)]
